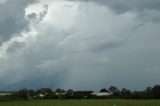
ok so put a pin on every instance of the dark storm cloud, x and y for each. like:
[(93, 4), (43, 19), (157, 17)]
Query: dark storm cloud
[(121, 6), (90, 45), (148, 10), (40, 78), (12, 18), (107, 46)]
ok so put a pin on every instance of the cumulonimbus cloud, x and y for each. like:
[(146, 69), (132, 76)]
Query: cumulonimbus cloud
[(85, 45), (12, 20)]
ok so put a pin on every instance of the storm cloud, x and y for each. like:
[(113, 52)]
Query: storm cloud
[(88, 44), (12, 20), (146, 9), (121, 6)]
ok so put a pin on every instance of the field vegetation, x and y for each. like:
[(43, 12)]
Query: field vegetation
[(84, 102)]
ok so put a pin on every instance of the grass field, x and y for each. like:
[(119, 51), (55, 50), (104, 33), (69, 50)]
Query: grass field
[(82, 103)]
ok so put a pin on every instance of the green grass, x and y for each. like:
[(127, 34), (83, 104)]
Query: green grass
[(82, 103)]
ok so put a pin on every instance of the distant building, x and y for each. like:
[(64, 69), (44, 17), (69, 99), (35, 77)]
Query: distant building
[(41, 95), (60, 93), (102, 94), (5, 94)]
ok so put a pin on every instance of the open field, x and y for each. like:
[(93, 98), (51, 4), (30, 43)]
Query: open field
[(83, 103)]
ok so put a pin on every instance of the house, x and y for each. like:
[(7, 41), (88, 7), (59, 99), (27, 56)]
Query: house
[(102, 94), (41, 95), (60, 93)]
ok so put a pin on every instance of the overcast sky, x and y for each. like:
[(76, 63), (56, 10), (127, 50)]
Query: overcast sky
[(79, 44)]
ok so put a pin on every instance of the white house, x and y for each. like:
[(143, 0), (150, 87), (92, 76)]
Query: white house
[(60, 93), (41, 95), (102, 94)]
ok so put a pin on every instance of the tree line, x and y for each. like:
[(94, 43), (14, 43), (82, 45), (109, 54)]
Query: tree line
[(113, 92)]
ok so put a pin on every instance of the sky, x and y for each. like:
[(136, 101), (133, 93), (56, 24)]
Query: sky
[(79, 44)]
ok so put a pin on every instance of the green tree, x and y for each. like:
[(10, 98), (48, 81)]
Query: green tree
[(103, 90)]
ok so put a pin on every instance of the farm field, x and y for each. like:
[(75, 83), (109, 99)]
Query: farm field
[(82, 103)]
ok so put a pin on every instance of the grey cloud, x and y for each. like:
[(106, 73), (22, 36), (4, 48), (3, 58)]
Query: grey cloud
[(97, 51), (148, 10), (107, 46), (32, 16), (39, 77), (121, 6), (59, 54), (37, 17), (15, 46), (43, 13), (12, 18)]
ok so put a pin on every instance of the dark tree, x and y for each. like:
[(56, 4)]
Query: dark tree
[(148, 93), (60, 93), (44, 91), (114, 90), (31, 94), (125, 93), (103, 90), (78, 95), (60, 90), (156, 91), (23, 93), (69, 94)]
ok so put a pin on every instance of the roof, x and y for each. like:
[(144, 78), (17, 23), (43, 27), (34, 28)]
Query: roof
[(101, 94)]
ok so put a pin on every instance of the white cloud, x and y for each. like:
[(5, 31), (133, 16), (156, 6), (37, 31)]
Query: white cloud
[(3, 1)]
